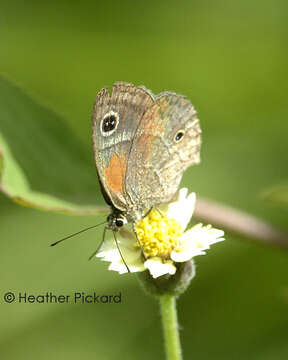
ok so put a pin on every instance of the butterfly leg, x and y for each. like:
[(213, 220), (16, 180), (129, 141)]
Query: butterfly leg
[(139, 242), (159, 212), (100, 245), (148, 212), (116, 242)]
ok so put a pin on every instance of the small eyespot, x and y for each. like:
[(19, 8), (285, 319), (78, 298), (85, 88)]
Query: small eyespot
[(109, 123), (179, 136)]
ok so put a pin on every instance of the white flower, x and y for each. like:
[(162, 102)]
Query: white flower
[(162, 238)]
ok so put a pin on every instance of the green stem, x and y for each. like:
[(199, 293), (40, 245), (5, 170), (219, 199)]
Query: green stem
[(170, 327)]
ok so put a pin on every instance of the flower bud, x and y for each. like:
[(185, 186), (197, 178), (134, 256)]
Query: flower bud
[(168, 284)]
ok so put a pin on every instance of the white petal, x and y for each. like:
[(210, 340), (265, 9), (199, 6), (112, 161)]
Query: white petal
[(182, 210), (109, 255), (125, 239), (107, 245), (158, 268), (131, 254), (200, 236), (195, 240), (182, 256), (126, 232), (182, 194), (122, 269)]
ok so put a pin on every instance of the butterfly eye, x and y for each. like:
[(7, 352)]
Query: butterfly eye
[(179, 136), (109, 123), (119, 222)]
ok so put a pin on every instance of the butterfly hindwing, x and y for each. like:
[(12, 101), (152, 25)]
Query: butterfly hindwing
[(165, 144)]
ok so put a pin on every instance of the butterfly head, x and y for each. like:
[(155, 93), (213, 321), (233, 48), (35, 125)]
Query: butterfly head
[(116, 220)]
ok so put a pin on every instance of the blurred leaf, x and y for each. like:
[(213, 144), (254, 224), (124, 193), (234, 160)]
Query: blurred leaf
[(277, 194), (39, 167)]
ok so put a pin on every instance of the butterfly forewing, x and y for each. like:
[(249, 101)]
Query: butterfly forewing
[(114, 123)]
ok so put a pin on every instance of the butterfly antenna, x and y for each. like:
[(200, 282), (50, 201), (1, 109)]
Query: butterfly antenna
[(77, 233), (116, 242), (99, 246)]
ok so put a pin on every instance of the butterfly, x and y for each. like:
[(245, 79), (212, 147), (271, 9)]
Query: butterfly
[(142, 144)]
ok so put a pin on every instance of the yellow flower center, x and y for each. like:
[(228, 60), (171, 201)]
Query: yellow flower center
[(158, 234)]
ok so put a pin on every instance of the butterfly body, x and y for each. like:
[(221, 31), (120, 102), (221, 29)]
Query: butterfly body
[(142, 145)]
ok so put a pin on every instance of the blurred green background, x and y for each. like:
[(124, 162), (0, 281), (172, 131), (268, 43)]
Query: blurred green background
[(230, 59)]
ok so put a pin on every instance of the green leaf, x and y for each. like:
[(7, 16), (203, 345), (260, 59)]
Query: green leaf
[(42, 163), (277, 194)]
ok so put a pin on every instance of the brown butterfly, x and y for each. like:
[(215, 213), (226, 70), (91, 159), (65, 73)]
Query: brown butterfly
[(142, 145)]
